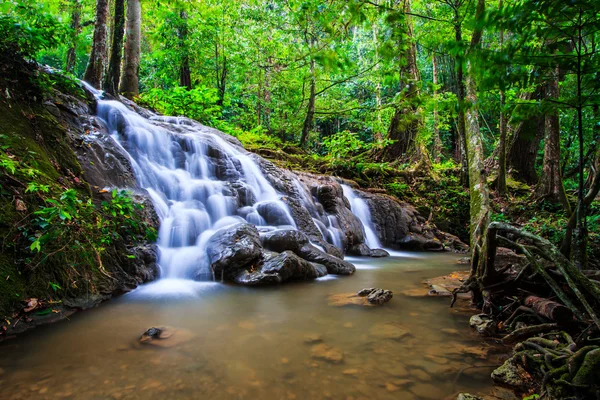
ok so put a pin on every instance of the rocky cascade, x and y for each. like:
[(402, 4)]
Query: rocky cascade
[(226, 214)]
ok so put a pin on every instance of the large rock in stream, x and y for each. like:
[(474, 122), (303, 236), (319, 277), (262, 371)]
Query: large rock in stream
[(298, 243), (234, 248)]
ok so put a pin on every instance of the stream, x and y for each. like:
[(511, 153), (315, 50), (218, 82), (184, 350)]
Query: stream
[(282, 342)]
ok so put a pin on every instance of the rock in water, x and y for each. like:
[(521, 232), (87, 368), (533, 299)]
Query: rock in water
[(376, 295), (327, 353), (234, 248), (484, 325), (297, 242), (380, 296), (165, 336), (377, 253), (366, 291), (289, 266)]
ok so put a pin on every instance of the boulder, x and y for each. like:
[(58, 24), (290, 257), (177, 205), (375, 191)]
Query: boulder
[(256, 278), (234, 248), (288, 266), (360, 249), (298, 243), (333, 264), (377, 253), (274, 213)]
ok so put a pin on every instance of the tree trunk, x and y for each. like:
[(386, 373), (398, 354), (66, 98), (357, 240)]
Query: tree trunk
[(75, 31), (111, 80), (97, 63), (501, 181), (185, 75), (478, 189), (437, 142), (310, 111), (407, 120), (378, 134), (221, 74), (522, 152), (131, 64), (461, 145), (550, 185)]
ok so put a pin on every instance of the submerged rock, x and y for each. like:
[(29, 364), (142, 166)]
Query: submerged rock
[(165, 336), (327, 353), (467, 396)]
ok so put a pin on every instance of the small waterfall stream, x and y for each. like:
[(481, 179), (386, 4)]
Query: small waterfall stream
[(198, 182), (361, 210)]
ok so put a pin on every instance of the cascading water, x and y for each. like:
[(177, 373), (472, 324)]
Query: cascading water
[(198, 183), (360, 208)]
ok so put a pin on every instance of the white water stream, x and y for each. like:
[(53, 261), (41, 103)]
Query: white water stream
[(200, 183)]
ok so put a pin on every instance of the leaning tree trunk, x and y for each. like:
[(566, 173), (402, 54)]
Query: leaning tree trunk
[(75, 31), (97, 63), (111, 80), (550, 185), (131, 64)]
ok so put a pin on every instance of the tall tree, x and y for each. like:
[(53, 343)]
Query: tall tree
[(550, 185), (185, 74), (112, 77), (75, 31), (131, 62), (407, 119), (94, 72), (478, 188)]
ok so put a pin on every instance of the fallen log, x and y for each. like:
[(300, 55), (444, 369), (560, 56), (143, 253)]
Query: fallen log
[(550, 309)]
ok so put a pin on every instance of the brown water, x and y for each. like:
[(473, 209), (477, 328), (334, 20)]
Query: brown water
[(252, 343)]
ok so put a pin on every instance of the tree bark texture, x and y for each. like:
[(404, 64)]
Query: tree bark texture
[(71, 62), (131, 62), (111, 80), (550, 185), (407, 120), (185, 74), (479, 194), (310, 111), (94, 72)]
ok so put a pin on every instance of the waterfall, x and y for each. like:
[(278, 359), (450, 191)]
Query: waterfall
[(197, 180), (360, 208)]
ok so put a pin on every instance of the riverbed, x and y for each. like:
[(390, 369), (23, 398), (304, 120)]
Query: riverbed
[(283, 342)]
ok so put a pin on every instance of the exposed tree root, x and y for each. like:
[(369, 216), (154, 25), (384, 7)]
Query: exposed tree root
[(547, 301)]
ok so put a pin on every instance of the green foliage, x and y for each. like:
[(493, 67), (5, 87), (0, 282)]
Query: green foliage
[(76, 231), (199, 103), (27, 28)]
